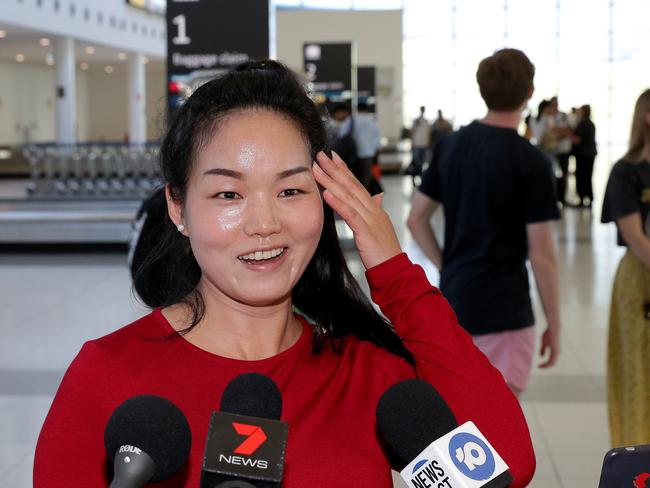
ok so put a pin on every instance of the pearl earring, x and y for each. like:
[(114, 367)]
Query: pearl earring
[(180, 227)]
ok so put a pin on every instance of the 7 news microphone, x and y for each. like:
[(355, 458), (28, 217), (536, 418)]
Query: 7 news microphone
[(148, 439), (418, 426), (246, 442)]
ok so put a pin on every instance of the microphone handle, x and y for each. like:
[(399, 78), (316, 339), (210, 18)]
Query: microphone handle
[(501, 481), (132, 469)]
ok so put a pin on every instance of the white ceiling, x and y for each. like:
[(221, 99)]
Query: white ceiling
[(27, 42)]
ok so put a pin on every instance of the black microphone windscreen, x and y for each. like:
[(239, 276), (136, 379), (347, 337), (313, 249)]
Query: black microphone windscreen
[(156, 426), (254, 395), (411, 415)]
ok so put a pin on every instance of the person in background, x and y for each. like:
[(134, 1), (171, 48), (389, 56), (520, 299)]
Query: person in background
[(256, 281), (367, 137), (420, 133), (440, 128), (627, 203), (573, 117), (562, 149), (542, 135), (441, 124), (340, 112), (342, 139), (497, 193), (584, 150)]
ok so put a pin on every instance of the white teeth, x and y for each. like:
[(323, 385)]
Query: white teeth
[(262, 255)]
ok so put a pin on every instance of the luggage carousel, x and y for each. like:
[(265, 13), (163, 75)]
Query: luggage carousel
[(42, 221)]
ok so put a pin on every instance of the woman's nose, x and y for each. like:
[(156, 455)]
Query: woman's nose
[(262, 218)]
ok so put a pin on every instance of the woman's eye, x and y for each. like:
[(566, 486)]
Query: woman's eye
[(227, 195), (290, 192)]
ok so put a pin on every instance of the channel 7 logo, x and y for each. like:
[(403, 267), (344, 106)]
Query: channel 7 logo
[(255, 437), (472, 456)]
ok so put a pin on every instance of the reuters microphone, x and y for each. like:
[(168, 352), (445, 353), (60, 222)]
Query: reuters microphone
[(246, 442), (148, 439), (421, 430)]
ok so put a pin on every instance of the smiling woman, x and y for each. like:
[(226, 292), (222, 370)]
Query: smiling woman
[(237, 160), (246, 275), (252, 210)]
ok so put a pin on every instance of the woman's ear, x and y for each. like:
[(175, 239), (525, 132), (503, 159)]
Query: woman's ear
[(175, 210)]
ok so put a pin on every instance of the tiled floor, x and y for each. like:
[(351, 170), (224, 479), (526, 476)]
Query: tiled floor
[(52, 303)]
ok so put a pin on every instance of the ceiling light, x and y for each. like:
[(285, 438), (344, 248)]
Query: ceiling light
[(83, 66), (89, 49), (20, 58), (108, 69), (121, 56), (3, 34), (44, 42)]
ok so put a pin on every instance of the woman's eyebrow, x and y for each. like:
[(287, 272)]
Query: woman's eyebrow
[(290, 172), (240, 176), (224, 172)]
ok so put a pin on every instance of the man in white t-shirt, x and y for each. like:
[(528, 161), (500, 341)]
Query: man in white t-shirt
[(420, 140), (563, 148), (367, 137)]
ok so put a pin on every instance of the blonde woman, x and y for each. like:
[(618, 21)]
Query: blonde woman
[(627, 202)]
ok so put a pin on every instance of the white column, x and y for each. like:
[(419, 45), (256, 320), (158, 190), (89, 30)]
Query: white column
[(66, 92), (137, 97)]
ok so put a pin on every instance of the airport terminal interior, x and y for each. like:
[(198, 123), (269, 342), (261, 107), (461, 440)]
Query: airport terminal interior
[(74, 171)]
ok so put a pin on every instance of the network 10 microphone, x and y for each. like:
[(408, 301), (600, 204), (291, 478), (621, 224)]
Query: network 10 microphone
[(246, 442), (148, 439), (421, 430)]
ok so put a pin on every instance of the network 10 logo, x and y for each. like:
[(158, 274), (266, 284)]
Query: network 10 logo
[(472, 456)]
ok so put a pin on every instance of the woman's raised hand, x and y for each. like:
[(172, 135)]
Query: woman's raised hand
[(374, 234)]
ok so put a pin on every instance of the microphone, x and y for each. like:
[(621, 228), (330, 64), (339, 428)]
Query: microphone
[(246, 442), (421, 430), (148, 439), (626, 466)]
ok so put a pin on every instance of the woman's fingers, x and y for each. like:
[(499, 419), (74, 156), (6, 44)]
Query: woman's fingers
[(374, 234), (338, 198), (339, 185), (347, 212), (339, 172)]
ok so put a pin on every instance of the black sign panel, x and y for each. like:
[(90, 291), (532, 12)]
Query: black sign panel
[(206, 37), (328, 66), (366, 77)]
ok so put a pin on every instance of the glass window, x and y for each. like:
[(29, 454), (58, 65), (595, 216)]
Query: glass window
[(328, 4), (376, 4), (584, 52), (287, 3)]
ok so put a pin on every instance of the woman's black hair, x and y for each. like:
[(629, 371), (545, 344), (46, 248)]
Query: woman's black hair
[(540, 108), (326, 293)]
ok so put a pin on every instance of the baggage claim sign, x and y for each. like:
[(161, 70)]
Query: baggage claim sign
[(207, 37)]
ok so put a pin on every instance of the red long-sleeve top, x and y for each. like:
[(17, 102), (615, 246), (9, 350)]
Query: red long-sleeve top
[(329, 399)]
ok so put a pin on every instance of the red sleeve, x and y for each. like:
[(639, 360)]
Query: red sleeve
[(447, 358), (70, 448)]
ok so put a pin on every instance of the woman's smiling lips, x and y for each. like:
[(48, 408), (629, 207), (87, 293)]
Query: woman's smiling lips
[(263, 260)]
